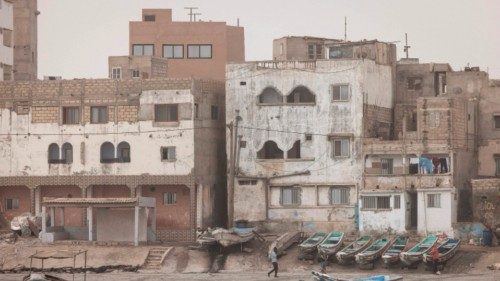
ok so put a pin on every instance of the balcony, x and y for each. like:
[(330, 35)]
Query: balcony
[(417, 181)]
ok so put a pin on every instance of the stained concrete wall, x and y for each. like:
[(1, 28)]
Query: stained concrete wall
[(118, 224), (385, 221), (437, 219), (287, 123)]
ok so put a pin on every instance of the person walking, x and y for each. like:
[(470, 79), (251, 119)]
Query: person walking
[(435, 259), (273, 256)]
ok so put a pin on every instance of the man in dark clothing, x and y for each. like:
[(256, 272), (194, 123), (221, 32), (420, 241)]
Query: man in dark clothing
[(273, 256)]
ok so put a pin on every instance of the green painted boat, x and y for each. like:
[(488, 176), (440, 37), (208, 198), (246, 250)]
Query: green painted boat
[(370, 254), (415, 254), (331, 245), (348, 253), (391, 256), (311, 243)]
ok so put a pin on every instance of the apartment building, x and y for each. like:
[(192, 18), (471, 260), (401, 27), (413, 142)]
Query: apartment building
[(25, 40), (198, 49), (6, 44), (299, 149), (105, 138)]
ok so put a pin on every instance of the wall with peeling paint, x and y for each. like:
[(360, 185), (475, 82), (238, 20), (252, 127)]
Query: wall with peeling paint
[(287, 123)]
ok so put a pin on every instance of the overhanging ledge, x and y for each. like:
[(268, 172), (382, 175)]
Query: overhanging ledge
[(147, 202)]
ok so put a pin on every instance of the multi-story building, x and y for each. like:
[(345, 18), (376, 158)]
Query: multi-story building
[(160, 138), (137, 67), (25, 40), (197, 49), (300, 48), (420, 180), (299, 149), (6, 45)]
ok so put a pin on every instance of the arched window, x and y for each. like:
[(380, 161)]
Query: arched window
[(294, 152), (53, 153), (301, 94), (270, 96), (107, 153), (123, 152), (67, 153), (270, 150)]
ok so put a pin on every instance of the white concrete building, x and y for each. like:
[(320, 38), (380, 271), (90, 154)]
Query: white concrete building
[(112, 138), (299, 159), (6, 39)]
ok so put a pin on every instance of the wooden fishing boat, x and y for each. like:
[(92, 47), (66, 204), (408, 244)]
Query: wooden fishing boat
[(308, 248), (228, 238), (285, 241), (348, 253), (331, 245), (391, 255), (372, 253), (446, 251), (414, 255)]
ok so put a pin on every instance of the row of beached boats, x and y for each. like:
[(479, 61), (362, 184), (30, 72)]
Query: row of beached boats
[(365, 250)]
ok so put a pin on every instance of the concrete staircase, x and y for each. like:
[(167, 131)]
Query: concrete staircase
[(155, 258)]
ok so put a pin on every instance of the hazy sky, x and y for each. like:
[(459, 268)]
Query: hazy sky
[(76, 37)]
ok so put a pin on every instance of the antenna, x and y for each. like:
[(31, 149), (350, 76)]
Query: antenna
[(345, 29), (191, 14), (406, 48)]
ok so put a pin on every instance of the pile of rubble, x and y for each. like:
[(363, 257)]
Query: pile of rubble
[(26, 225)]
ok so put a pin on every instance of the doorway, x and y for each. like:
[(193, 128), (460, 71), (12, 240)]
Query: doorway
[(412, 208)]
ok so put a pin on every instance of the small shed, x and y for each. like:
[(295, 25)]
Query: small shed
[(108, 219)]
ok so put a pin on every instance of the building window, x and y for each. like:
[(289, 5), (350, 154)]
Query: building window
[(67, 153), (168, 153), (387, 166), (434, 200), (497, 162), (196, 110), (270, 150), (11, 203), (143, 50), (310, 51), (166, 113), (301, 94), (270, 96), (200, 51), (116, 73), (290, 196), (98, 114), (149, 18), (397, 201), (496, 121), (71, 115), (340, 92), (247, 182), (414, 83), (136, 73), (294, 152), (215, 112), (169, 198), (173, 51), (53, 153), (341, 147), (376, 202), (309, 137), (107, 153), (339, 195), (7, 36), (123, 152), (433, 119)]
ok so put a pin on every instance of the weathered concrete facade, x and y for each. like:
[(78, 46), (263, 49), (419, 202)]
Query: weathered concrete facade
[(300, 48), (6, 44), (299, 159), (25, 40), (196, 49), (115, 138)]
